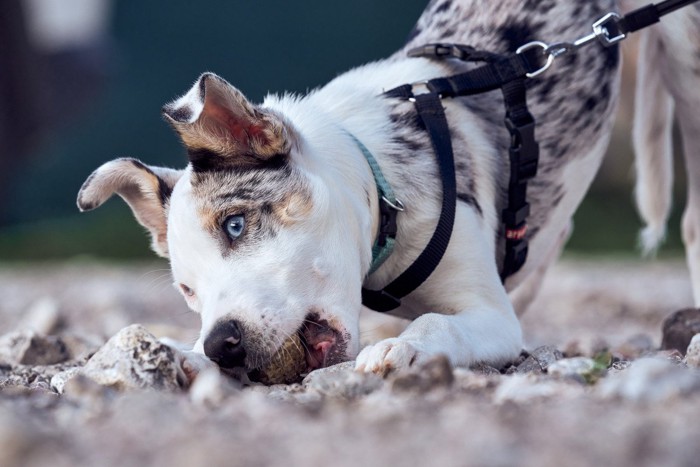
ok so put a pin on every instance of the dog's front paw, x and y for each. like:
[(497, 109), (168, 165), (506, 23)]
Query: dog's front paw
[(389, 355)]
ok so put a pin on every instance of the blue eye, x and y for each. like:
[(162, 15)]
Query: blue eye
[(234, 225)]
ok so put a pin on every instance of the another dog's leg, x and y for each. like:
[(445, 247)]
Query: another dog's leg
[(527, 291), (653, 147), (689, 122)]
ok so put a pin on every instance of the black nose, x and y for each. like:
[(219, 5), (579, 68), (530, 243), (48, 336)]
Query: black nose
[(224, 345)]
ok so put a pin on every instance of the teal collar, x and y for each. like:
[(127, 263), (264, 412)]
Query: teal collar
[(389, 205)]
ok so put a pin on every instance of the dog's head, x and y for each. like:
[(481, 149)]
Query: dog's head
[(260, 243)]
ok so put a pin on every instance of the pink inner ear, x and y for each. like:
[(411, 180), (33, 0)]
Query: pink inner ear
[(239, 127)]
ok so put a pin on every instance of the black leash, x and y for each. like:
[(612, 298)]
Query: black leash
[(509, 73)]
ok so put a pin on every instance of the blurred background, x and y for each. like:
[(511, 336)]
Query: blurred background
[(83, 81)]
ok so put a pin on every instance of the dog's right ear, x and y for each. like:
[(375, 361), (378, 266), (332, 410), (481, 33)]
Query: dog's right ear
[(145, 189)]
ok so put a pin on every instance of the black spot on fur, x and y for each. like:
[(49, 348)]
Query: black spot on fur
[(444, 6), (471, 201), (516, 34), (409, 144), (205, 160)]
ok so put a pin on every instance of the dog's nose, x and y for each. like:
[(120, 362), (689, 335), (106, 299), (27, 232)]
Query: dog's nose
[(224, 345)]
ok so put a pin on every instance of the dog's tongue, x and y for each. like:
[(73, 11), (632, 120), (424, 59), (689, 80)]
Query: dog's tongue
[(320, 339)]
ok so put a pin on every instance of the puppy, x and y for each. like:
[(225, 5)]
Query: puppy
[(269, 229)]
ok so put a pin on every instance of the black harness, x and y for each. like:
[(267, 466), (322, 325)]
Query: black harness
[(509, 73)]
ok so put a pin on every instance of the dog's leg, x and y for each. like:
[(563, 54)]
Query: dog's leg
[(653, 147), (479, 324), (527, 291), (689, 122)]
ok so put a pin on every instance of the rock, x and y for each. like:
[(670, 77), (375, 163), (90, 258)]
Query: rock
[(42, 317), (650, 380), (484, 369), (59, 380), (635, 347), (539, 359), (432, 374), (25, 376), (528, 387), (582, 368), (29, 348), (692, 355), (210, 388), (679, 329), (342, 381), (134, 359)]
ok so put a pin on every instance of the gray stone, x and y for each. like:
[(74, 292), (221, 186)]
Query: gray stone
[(134, 359), (343, 381), (434, 373), (540, 359), (679, 329), (635, 347), (650, 380), (29, 348), (692, 355)]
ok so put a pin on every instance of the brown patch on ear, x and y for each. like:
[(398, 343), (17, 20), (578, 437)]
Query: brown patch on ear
[(145, 189), (222, 129)]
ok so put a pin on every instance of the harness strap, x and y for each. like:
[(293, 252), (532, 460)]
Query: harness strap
[(648, 15), (432, 114)]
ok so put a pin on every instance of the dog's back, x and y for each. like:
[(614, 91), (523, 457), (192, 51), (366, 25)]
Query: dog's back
[(573, 102)]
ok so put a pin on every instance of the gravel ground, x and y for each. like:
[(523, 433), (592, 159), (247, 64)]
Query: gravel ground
[(592, 388)]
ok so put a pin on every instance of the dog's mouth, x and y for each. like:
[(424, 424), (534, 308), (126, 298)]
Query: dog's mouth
[(316, 344), (320, 341)]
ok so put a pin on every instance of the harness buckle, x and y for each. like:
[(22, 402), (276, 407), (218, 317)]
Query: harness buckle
[(425, 84)]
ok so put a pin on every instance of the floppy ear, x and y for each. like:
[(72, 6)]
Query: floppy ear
[(222, 129), (145, 189)]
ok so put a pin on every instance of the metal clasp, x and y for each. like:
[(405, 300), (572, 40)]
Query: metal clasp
[(545, 47), (602, 31), (606, 30)]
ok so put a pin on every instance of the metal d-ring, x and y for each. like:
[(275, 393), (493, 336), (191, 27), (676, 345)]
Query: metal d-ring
[(397, 206), (544, 47)]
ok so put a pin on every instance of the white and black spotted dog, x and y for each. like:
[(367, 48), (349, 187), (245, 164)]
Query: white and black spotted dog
[(271, 224)]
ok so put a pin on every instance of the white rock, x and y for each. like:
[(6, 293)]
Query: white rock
[(568, 367), (59, 380), (134, 358), (650, 380), (692, 355)]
